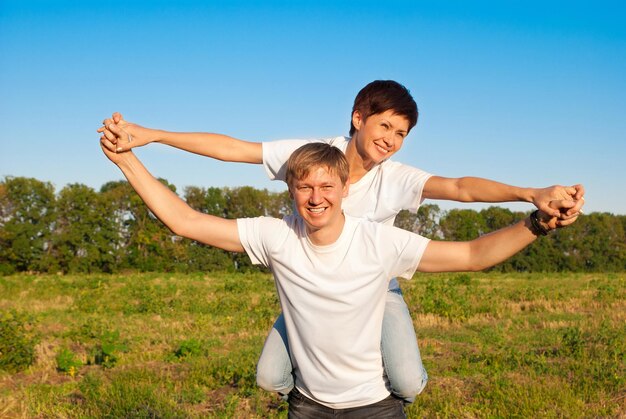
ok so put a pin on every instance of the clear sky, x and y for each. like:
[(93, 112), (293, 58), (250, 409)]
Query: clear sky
[(530, 93)]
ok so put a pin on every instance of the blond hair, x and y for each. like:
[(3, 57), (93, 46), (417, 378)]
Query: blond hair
[(313, 155)]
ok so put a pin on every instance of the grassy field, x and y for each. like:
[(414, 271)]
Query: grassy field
[(172, 345)]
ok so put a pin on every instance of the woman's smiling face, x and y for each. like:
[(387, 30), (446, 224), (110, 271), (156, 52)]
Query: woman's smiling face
[(379, 136)]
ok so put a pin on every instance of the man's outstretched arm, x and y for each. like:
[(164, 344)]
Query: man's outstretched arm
[(474, 189), (217, 146), (170, 209), (493, 248)]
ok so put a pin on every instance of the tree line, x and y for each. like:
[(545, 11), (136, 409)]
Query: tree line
[(81, 230)]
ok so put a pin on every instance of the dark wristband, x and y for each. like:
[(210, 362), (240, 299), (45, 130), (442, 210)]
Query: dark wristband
[(535, 225)]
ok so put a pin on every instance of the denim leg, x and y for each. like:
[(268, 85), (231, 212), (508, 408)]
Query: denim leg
[(274, 369), (401, 355)]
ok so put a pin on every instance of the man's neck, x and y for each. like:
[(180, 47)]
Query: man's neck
[(327, 235)]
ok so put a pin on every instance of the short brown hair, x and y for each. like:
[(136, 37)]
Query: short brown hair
[(313, 155), (382, 95)]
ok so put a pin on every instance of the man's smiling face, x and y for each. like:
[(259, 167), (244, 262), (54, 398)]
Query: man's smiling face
[(318, 199)]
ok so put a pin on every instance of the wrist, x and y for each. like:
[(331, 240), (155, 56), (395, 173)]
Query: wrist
[(536, 225), (125, 160), (157, 136), (530, 195)]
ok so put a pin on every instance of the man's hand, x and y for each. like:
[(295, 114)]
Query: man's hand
[(562, 206), (543, 197), (130, 136)]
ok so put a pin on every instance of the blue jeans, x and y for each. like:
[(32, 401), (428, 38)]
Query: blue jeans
[(301, 407), (401, 356)]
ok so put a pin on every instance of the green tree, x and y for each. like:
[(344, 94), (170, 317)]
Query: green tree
[(209, 201), (152, 246), (117, 197), (424, 222), (596, 242), (27, 209), (85, 233), (280, 204), (246, 201), (199, 256), (462, 225), (498, 217)]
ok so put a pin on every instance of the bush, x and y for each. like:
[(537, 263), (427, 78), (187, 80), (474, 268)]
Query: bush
[(189, 348), (67, 362), (17, 341), (106, 352)]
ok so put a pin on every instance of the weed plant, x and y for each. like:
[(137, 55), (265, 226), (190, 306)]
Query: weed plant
[(185, 346)]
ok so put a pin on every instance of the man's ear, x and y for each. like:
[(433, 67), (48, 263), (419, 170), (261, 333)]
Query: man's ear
[(357, 119)]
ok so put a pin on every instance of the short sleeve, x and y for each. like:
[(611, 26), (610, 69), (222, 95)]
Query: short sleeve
[(257, 236), (276, 154), (406, 249), (405, 185), (411, 256)]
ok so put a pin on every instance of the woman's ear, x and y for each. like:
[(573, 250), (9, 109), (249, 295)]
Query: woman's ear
[(357, 119)]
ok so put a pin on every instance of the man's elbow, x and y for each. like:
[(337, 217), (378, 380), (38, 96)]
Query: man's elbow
[(183, 227)]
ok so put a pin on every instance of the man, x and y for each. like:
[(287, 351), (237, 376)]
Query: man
[(383, 114), (332, 273)]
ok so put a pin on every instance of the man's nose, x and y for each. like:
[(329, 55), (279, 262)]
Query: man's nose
[(316, 197)]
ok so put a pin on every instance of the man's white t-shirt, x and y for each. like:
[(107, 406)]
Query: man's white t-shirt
[(379, 196), (333, 300)]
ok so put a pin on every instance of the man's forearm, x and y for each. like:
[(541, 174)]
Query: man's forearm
[(493, 248)]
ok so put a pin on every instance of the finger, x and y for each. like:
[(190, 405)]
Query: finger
[(110, 136), (570, 191), (576, 208), (108, 145), (567, 216), (117, 117), (569, 221), (562, 203), (545, 207), (107, 122), (115, 129), (580, 191)]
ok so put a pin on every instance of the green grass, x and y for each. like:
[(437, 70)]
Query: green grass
[(177, 346)]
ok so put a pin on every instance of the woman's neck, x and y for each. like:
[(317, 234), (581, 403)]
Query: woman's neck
[(358, 167)]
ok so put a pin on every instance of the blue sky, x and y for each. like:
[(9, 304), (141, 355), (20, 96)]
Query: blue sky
[(528, 93)]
